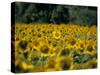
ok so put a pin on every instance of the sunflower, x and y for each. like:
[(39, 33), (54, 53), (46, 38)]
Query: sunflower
[(89, 49), (64, 52), (17, 62), (21, 46), (64, 63), (72, 42), (51, 63), (54, 51), (44, 50), (36, 44), (54, 43), (43, 40), (56, 34), (92, 63), (26, 66), (17, 59), (33, 56), (94, 54)]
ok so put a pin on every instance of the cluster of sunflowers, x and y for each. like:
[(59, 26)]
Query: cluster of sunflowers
[(51, 47)]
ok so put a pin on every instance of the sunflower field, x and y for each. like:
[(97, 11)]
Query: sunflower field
[(52, 47)]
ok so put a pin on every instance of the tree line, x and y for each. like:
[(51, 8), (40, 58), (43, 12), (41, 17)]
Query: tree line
[(55, 13)]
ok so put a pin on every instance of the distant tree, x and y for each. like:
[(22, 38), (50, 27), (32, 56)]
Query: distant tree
[(83, 15), (60, 15)]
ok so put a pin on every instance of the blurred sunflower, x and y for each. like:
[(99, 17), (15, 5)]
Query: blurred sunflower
[(21, 46), (51, 64), (64, 52), (89, 48), (44, 50), (92, 63), (56, 34), (64, 63), (33, 56), (54, 51), (26, 66), (36, 43)]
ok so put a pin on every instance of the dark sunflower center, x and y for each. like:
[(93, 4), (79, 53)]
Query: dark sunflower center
[(25, 54), (73, 42), (35, 58), (45, 49), (65, 66), (65, 52), (39, 35), (23, 44), (89, 48)]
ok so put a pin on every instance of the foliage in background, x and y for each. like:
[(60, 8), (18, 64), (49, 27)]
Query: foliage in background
[(53, 13)]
